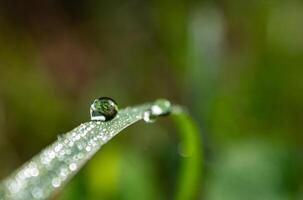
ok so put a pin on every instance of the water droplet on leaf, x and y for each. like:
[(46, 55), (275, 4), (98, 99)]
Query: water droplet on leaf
[(161, 107), (73, 166), (56, 182), (148, 117), (103, 109)]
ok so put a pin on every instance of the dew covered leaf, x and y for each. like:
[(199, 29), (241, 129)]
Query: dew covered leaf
[(48, 171)]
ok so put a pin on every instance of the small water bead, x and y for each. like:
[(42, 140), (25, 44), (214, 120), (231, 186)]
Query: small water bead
[(37, 193), (68, 151), (56, 182), (58, 147), (161, 107), (34, 171), (80, 156), (103, 109), (80, 145), (71, 143), (63, 172), (148, 117), (88, 148), (51, 155), (73, 166)]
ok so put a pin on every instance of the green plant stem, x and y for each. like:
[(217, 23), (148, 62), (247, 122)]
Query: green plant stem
[(191, 155)]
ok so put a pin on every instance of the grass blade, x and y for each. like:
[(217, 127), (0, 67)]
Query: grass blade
[(48, 171)]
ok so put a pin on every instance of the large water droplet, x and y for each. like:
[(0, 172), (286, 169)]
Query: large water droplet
[(103, 109)]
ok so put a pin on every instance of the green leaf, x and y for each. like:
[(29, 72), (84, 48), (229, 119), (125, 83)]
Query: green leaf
[(47, 172)]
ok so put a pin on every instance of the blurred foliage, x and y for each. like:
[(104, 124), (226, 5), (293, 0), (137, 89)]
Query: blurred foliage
[(236, 64)]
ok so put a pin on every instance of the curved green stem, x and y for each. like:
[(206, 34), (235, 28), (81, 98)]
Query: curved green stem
[(192, 157)]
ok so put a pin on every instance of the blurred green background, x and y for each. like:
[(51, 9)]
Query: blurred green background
[(237, 66)]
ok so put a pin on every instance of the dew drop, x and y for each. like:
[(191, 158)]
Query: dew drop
[(68, 151), (103, 109), (37, 193), (161, 107), (80, 145), (73, 166), (148, 117), (71, 143), (56, 182), (58, 147), (88, 148), (34, 171), (51, 154), (77, 137), (80, 156), (64, 172)]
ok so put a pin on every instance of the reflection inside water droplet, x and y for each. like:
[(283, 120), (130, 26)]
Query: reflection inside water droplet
[(103, 109)]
